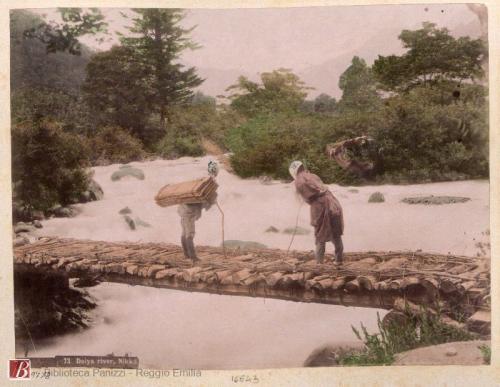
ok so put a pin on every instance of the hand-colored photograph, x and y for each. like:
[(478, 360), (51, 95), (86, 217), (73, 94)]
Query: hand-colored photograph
[(251, 188)]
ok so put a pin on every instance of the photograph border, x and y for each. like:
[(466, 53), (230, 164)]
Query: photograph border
[(331, 376)]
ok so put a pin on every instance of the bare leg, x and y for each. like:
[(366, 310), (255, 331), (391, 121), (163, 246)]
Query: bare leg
[(320, 251), (339, 249)]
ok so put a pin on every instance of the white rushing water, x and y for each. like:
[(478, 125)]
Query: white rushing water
[(167, 328), (251, 207)]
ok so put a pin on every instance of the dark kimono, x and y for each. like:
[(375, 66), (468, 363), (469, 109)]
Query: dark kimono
[(326, 212)]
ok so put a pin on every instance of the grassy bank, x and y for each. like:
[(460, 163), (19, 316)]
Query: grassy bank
[(396, 336)]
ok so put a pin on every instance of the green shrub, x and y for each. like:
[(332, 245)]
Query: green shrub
[(266, 145), (426, 141), (189, 125), (113, 144), (418, 331), (417, 139), (486, 352), (48, 165), (171, 147)]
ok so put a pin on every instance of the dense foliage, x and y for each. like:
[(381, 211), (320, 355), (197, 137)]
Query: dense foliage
[(433, 56), (279, 90), (112, 144), (47, 165), (427, 109), (190, 126), (428, 128)]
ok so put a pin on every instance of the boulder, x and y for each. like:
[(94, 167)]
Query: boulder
[(38, 215), (243, 245), (435, 200), (455, 353), (376, 197), (20, 241), (23, 227), (37, 224), (329, 356), (125, 211), (86, 282), (480, 322), (140, 222), (297, 231), (127, 170), (63, 212), (95, 190), (84, 197), (29, 237), (266, 180), (130, 222)]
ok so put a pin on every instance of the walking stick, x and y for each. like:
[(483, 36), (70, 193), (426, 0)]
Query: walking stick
[(223, 239), (295, 229)]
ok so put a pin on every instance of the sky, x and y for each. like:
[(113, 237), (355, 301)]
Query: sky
[(317, 43)]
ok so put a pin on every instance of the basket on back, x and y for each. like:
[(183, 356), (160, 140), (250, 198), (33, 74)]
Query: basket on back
[(194, 191)]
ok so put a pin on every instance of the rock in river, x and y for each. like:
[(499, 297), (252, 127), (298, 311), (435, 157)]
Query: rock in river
[(23, 227)]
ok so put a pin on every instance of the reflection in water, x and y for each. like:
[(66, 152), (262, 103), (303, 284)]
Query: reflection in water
[(175, 329)]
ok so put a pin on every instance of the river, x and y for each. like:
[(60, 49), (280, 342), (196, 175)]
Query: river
[(175, 329)]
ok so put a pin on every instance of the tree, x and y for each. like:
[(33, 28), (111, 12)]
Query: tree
[(358, 85), (64, 37), (201, 99), (159, 42), (280, 90), (323, 103), (114, 89), (433, 57)]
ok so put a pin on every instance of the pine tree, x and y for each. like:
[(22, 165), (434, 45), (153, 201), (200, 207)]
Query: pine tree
[(158, 43)]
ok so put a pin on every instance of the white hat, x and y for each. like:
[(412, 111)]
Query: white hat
[(213, 168), (294, 167)]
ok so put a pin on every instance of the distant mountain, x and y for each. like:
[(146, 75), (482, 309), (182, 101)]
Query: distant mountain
[(217, 80)]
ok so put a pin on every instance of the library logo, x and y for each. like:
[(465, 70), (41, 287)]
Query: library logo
[(19, 369)]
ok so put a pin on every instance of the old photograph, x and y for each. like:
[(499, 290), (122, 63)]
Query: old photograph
[(250, 188)]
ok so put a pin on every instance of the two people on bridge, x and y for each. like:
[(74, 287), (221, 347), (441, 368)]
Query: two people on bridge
[(326, 213)]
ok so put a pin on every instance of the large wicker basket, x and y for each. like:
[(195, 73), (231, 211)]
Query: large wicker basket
[(194, 191)]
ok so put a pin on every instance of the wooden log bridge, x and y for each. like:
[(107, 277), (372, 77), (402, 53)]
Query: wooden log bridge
[(458, 285)]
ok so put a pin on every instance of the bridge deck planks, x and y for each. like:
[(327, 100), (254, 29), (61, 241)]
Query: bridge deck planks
[(364, 279)]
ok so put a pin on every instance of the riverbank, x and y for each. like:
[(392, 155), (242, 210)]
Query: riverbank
[(474, 352)]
